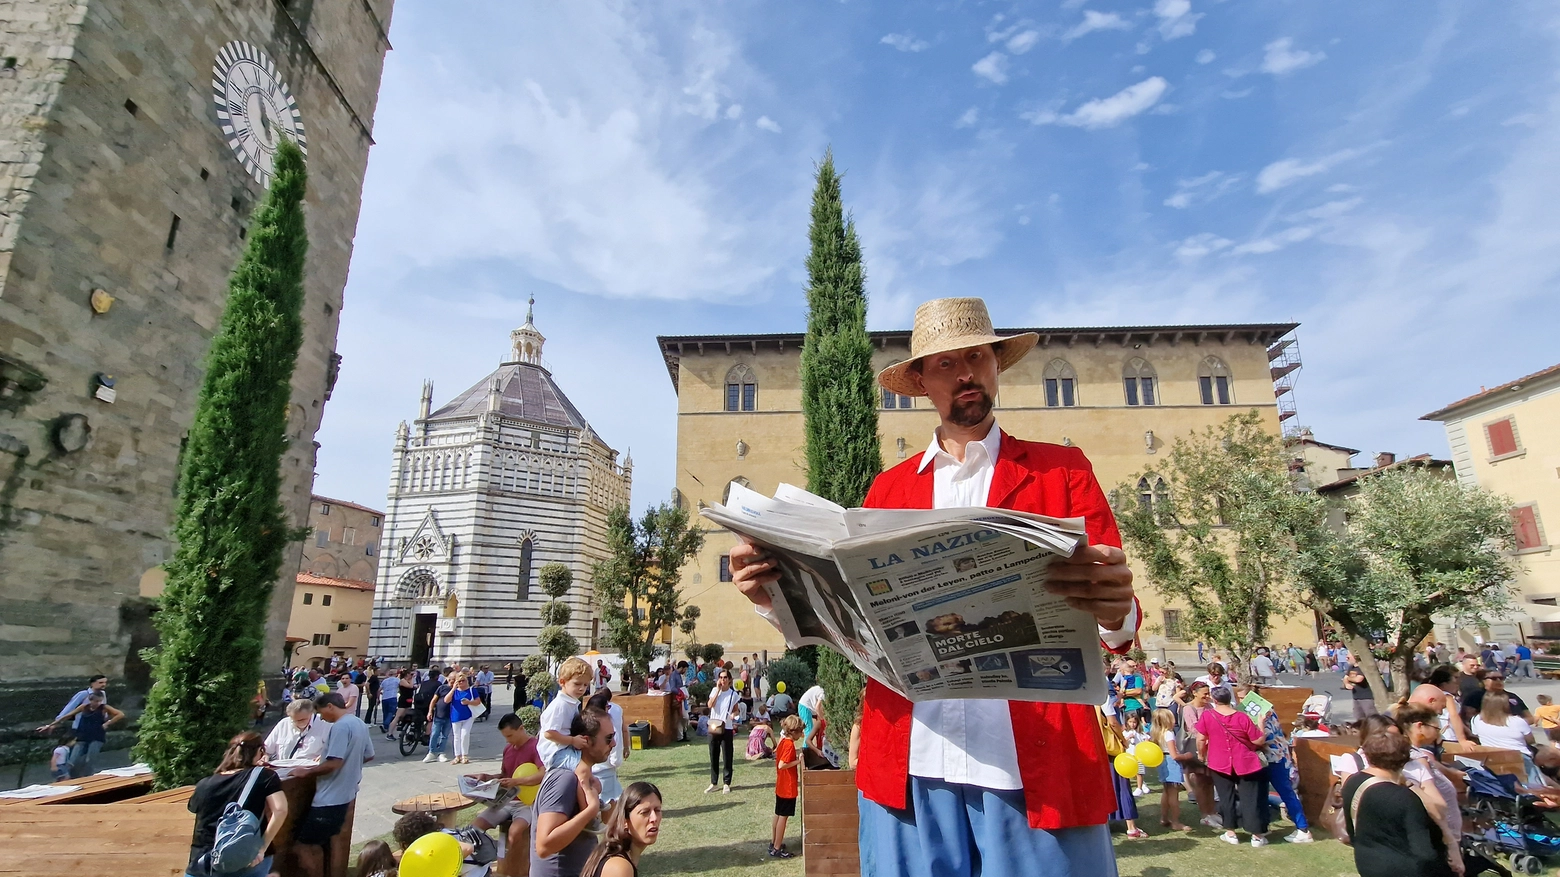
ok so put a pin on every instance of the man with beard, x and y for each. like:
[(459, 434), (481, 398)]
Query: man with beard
[(965, 786)]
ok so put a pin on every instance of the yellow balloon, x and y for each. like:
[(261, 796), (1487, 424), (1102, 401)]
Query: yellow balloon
[(1126, 765), (432, 855), (780, 687), (1149, 753), (527, 794), (739, 685)]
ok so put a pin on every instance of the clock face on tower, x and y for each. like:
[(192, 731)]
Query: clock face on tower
[(255, 108)]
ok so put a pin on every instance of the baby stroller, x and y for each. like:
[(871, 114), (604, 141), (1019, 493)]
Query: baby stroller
[(1498, 821)]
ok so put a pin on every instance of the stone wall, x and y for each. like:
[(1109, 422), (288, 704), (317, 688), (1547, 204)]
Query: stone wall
[(109, 133)]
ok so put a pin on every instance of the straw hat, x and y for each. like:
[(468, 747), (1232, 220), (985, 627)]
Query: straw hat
[(945, 324)]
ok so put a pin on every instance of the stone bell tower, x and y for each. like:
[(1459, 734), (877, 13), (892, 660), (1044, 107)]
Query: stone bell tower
[(135, 141)]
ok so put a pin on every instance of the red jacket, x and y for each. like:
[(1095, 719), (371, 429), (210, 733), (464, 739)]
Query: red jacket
[(1061, 755)]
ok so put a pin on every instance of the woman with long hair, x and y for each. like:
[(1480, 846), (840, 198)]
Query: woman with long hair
[(723, 729), (1198, 780), (634, 825), (241, 771), (1172, 776)]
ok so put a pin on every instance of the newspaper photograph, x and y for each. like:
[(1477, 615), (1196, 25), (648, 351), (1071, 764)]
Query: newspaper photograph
[(934, 604)]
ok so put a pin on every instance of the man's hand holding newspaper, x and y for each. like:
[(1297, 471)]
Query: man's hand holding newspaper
[(970, 602)]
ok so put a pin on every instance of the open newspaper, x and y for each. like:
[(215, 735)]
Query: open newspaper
[(942, 603)]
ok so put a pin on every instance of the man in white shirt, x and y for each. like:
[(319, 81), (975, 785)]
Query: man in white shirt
[(947, 786)]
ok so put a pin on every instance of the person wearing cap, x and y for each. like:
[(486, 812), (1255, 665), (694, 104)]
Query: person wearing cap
[(958, 787)]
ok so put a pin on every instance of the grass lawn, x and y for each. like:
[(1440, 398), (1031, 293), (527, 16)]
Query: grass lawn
[(727, 835)]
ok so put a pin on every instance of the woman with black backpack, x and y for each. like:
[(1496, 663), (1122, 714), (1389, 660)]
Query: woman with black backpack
[(230, 807)]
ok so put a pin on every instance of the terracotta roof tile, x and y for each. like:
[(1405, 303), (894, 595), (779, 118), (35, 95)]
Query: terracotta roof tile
[(1552, 371), (307, 578)]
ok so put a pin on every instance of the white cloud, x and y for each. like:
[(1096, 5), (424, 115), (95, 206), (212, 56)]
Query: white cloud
[(1200, 245), (1106, 112), (1282, 58), (1206, 56), (992, 67), (1286, 171), (1022, 42), (1330, 210), (905, 42), (969, 118), (1176, 18), (1274, 243), (768, 124), (1232, 94), (734, 111), (1199, 190), (1093, 21)]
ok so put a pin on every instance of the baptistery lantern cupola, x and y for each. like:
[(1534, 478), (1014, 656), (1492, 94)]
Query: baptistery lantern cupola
[(526, 342)]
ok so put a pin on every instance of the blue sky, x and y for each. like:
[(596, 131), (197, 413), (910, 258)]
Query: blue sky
[(1384, 174)]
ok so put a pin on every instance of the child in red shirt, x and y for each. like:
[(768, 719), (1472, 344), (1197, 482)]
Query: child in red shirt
[(787, 783)]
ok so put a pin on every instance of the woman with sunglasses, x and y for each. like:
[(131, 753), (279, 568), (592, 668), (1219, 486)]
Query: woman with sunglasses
[(723, 729), (1422, 726)]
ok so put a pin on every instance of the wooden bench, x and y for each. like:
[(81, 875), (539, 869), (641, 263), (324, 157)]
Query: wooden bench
[(1548, 666)]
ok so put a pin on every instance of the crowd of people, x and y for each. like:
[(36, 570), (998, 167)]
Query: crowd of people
[(559, 808), (1396, 799)]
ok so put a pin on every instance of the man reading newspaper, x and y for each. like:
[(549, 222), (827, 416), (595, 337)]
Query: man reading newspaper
[(956, 787)]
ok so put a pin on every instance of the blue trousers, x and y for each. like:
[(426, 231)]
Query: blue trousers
[(954, 830), (439, 738), (1278, 778)]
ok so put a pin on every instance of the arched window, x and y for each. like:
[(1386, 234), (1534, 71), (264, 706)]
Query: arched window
[(725, 496), (1153, 497), (893, 400), (741, 389), (1139, 378), (1061, 385), (527, 546), (1213, 379)]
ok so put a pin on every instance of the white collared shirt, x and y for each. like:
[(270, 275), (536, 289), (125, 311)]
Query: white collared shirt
[(970, 741)]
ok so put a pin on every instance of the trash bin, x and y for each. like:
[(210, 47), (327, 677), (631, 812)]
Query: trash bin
[(639, 735)]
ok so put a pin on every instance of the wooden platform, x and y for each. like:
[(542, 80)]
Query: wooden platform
[(829, 824), (151, 839), (116, 825), (94, 790)]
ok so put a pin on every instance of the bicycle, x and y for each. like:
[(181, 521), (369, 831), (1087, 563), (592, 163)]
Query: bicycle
[(411, 732)]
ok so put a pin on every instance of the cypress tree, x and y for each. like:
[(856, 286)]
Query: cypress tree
[(230, 526), (839, 396)]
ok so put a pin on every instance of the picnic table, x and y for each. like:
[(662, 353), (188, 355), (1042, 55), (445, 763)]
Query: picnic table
[(443, 806)]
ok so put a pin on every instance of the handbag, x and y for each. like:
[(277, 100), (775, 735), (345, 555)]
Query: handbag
[(1331, 816), (1354, 808), (1115, 744)]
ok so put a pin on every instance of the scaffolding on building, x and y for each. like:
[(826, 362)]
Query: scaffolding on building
[(1284, 364)]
